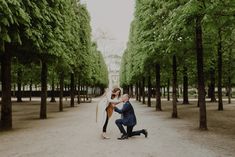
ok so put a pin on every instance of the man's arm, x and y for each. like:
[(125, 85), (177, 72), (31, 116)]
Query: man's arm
[(125, 108)]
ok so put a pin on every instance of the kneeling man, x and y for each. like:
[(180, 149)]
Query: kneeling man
[(128, 119)]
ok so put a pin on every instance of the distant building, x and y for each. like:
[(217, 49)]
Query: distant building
[(113, 62)]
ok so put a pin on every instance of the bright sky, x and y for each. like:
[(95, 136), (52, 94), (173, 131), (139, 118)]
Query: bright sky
[(110, 20)]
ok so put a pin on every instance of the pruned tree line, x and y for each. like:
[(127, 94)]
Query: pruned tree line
[(47, 43), (181, 42)]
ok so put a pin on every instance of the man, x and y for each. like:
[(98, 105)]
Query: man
[(128, 119)]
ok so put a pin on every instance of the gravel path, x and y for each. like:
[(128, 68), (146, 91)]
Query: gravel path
[(74, 133)]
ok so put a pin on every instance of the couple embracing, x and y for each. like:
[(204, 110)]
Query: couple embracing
[(128, 118)]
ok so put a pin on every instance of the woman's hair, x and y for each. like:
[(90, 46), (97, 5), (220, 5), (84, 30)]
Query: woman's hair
[(114, 91)]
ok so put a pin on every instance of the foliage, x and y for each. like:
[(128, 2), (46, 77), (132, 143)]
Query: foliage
[(162, 28), (56, 31)]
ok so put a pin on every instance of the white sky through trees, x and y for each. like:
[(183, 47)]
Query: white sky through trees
[(110, 20)]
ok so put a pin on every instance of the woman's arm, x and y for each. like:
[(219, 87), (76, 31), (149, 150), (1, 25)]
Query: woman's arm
[(113, 101)]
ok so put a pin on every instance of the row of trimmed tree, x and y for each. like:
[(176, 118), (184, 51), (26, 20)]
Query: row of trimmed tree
[(193, 40), (47, 40)]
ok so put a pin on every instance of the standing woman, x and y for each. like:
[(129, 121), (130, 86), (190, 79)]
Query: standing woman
[(106, 108)]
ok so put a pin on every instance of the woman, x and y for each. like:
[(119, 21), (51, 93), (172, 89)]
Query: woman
[(106, 108)]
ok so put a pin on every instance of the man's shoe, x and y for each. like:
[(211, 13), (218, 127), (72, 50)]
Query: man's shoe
[(123, 137), (145, 132)]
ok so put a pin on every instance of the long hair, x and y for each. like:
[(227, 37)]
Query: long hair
[(112, 97), (114, 91)]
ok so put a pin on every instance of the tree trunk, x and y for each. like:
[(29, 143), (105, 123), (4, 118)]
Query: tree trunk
[(131, 91), (200, 72), (149, 90), (174, 86), (79, 90), (6, 110), (72, 94), (82, 92), (229, 89), (61, 91), (86, 92), (143, 89), (140, 91), (19, 84), (220, 102), (30, 90), (158, 88), (136, 92), (212, 85), (164, 92), (229, 77), (43, 111), (168, 89), (53, 89), (185, 86), (14, 90), (128, 89)]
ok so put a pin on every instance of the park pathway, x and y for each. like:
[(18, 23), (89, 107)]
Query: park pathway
[(74, 133)]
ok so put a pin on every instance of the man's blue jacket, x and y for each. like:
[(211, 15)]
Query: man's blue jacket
[(128, 114)]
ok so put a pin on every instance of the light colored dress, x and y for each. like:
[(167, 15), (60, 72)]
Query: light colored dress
[(101, 113)]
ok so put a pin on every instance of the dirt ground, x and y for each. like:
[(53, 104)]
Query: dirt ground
[(74, 132)]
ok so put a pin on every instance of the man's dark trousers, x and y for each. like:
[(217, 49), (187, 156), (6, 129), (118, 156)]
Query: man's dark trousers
[(129, 132)]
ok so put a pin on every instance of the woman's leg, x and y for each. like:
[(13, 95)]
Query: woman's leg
[(106, 123)]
